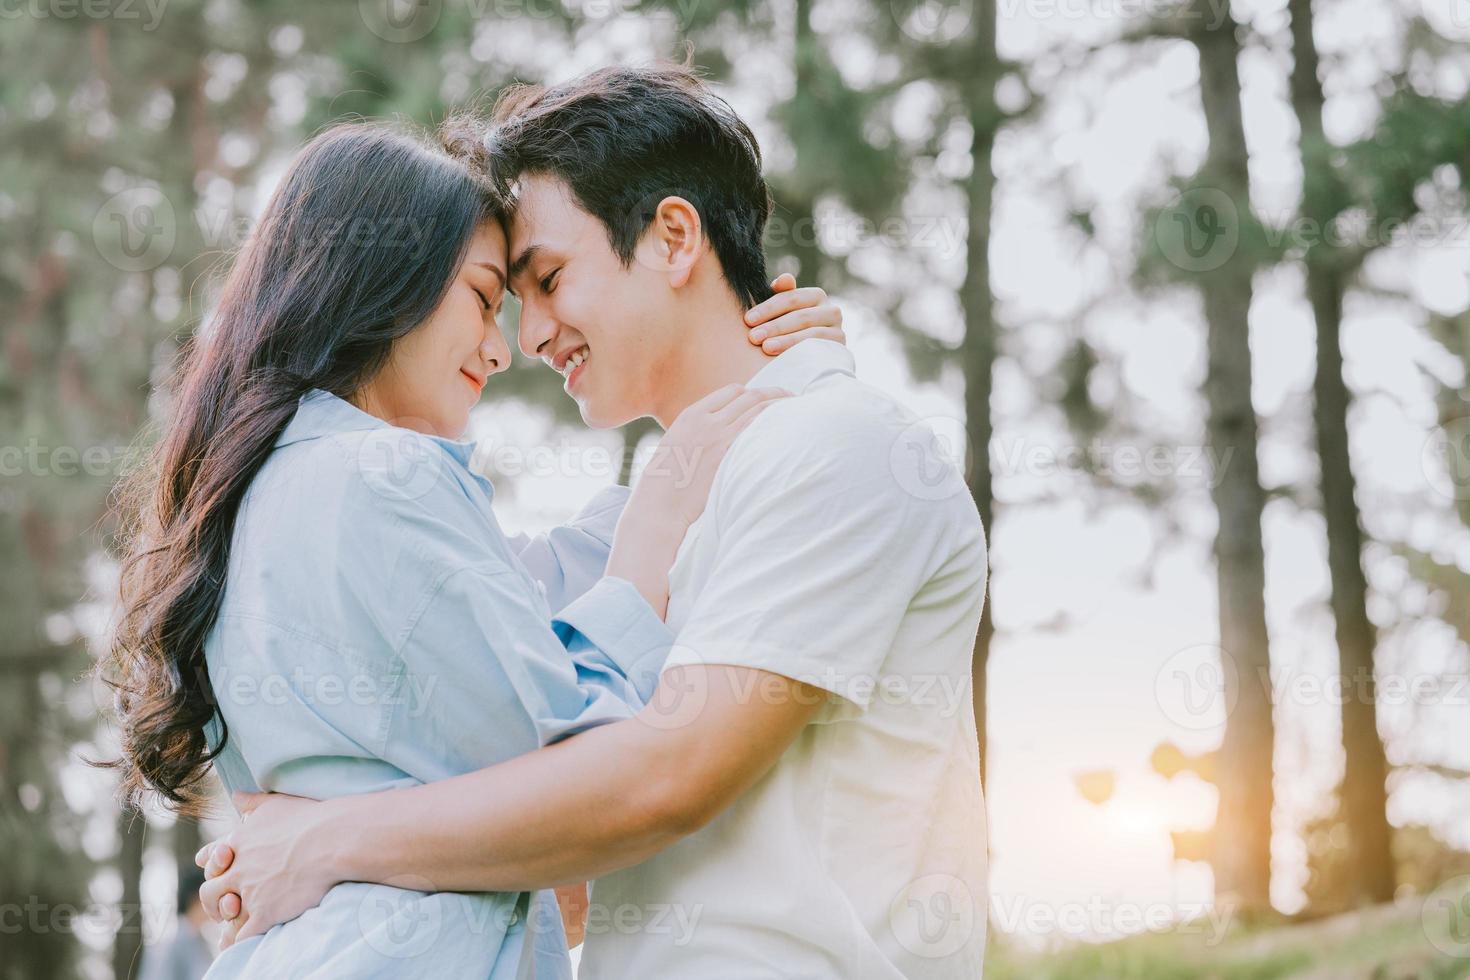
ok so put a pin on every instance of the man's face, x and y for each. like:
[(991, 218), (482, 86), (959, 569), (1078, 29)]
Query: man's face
[(609, 330)]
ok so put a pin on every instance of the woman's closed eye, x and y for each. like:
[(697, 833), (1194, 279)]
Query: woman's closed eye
[(487, 305), (548, 281)]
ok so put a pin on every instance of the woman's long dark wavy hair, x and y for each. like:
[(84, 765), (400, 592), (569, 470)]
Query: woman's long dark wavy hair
[(356, 249)]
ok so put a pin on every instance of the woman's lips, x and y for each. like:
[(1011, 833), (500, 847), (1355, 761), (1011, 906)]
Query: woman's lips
[(476, 382)]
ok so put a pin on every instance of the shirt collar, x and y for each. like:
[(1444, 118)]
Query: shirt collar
[(798, 368), (321, 413)]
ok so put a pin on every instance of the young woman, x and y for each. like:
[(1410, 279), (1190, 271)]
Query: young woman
[(318, 599)]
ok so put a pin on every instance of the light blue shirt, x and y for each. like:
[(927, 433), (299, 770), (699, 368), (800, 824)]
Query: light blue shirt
[(377, 630)]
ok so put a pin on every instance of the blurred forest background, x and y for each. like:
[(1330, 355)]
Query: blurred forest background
[(1185, 284)]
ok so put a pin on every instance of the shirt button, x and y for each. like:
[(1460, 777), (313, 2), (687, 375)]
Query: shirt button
[(515, 916)]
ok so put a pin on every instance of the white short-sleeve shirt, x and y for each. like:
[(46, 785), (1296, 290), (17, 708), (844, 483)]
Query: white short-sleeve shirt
[(841, 548)]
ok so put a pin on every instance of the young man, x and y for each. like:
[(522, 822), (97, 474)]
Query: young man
[(801, 797)]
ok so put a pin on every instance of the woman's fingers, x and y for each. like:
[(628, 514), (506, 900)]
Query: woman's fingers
[(775, 345), (229, 906), (201, 856), (749, 415), (783, 282), (747, 398), (762, 314), (718, 399)]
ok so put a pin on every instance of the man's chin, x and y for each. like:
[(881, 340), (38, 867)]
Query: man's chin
[(597, 416)]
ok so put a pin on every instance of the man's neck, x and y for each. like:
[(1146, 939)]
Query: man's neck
[(719, 352)]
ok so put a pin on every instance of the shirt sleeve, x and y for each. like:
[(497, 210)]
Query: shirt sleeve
[(487, 678), (480, 673), (569, 559), (820, 552)]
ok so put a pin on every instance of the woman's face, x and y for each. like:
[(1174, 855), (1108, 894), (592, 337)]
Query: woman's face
[(435, 374)]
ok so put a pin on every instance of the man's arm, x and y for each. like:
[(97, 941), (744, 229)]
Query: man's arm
[(607, 799), (577, 810)]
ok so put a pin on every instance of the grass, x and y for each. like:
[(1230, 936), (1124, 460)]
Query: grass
[(1389, 942)]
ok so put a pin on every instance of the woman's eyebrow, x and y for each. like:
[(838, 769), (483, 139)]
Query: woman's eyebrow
[(495, 269)]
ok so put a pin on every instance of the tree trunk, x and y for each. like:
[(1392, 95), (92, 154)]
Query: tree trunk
[(1242, 847), (127, 945), (1364, 791), (978, 349), (800, 211)]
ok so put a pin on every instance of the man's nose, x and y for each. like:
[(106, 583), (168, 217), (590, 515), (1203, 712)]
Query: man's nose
[(537, 330)]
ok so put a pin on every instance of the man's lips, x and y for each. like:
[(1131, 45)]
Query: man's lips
[(477, 381), (575, 374)]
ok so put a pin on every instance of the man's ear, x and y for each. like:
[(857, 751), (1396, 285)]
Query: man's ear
[(674, 240)]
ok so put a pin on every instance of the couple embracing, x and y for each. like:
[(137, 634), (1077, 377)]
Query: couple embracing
[(698, 695)]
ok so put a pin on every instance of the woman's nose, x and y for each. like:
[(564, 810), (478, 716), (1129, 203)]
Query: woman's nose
[(494, 354)]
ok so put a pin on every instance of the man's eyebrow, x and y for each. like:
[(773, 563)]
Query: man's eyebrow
[(518, 266)]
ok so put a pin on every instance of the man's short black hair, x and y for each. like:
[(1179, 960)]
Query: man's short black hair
[(623, 139)]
